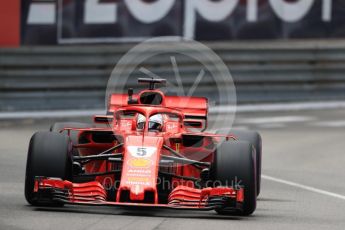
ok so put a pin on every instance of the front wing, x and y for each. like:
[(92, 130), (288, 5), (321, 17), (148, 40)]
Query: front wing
[(93, 193)]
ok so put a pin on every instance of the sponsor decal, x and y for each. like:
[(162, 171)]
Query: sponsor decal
[(126, 125), (171, 126), (177, 147), (138, 179), (137, 183), (140, 163), (140, 171)]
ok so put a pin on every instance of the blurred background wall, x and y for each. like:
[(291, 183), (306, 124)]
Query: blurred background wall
[(277, 50)]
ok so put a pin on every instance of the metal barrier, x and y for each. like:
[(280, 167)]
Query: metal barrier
[(75, 77)]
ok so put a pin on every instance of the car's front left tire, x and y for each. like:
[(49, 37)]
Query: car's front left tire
[(74, 135), (254, 138), (234, 166)]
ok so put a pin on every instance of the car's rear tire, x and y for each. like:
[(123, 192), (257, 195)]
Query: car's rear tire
[(234, 165), (49, 155), (255, 139), (58, 126)]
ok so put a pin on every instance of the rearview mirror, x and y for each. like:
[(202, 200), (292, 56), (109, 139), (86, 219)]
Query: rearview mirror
[(195, 124), (102, 119)]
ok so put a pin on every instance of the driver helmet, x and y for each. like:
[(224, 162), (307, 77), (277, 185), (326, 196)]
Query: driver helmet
[(156, 122), (141, 122)]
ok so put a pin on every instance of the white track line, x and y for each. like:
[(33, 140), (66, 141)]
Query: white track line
[(272, 126), (308, 188), (276, 119), (331, 124), (49, 114), (271, 107)]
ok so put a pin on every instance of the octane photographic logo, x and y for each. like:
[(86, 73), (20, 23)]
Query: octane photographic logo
[(166, 184), (190, 68)]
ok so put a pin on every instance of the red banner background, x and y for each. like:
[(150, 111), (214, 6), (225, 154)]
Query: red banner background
[(9, 23)]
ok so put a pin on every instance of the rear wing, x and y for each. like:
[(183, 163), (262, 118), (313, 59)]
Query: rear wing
[(191, 107)]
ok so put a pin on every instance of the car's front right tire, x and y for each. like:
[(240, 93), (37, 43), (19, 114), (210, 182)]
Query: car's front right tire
[(49, 155)]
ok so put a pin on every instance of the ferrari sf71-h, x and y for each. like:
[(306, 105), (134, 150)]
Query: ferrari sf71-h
[(149, 150)]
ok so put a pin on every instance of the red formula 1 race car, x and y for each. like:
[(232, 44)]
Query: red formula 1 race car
[(150, 151)]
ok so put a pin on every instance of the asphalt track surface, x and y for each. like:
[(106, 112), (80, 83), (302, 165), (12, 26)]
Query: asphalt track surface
[(303, 185)]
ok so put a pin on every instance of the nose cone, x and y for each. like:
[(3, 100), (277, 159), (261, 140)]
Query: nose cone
[(140, 166)]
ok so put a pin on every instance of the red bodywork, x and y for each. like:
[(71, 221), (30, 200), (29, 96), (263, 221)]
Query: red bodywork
[(136, 163)]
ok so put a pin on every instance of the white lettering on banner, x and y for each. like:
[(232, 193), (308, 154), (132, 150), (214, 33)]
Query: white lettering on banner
[(99, 13), (291, 11), (327, 10), (215, 11), (252, 10), (149, 12), (211, 11), (41, 14), (96, 12)]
